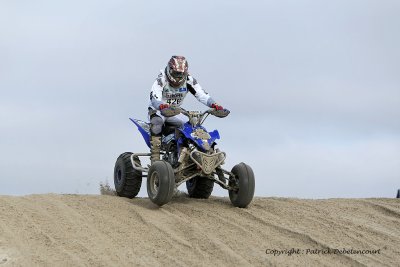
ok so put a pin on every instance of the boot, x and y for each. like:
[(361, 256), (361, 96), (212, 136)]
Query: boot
[(155, 144)]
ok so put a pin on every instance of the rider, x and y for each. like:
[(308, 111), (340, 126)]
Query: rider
[(169, 89)]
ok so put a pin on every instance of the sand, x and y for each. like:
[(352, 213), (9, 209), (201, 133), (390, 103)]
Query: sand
[(89, 230)]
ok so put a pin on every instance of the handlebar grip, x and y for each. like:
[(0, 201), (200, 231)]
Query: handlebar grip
[(220, 113)]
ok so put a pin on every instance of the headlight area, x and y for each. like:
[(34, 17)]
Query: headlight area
[(207, 162)]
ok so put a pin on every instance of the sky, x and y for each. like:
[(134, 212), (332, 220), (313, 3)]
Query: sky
[(313, 88)]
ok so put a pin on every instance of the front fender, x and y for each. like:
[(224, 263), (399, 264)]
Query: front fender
[(203, 144), (144, 129)]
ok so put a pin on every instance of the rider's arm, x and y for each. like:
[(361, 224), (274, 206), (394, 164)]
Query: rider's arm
[(156, 93), (201, 95)]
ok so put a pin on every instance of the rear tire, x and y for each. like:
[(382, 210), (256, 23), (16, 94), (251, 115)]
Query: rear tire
[(200, 187), (246, 183), (127, 180), (160, 182)]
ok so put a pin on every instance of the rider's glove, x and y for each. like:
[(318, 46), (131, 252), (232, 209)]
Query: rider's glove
[(217, 107), (162, 106)]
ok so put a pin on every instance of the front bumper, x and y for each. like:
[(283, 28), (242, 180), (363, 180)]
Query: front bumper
[(207, 162)]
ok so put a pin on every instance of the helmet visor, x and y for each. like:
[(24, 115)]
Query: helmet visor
[(177, 74)]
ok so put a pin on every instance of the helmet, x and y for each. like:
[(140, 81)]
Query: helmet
[(177, 70)]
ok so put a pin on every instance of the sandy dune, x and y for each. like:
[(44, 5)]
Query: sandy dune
[(82, 230)]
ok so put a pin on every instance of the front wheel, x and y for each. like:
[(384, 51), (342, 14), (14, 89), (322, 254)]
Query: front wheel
[(245, 183), (127, 180), (200, 187), (160, 182)]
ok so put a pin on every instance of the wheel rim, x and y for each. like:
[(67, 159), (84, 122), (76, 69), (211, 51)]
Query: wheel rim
[(235, 183), (154, 183), (191, 182)]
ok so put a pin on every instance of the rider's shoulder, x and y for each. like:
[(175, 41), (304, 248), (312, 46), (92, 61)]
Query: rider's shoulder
[(191, 80), (161, 79)]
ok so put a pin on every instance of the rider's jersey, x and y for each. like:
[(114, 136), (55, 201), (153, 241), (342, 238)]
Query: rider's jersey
[(163, 93)]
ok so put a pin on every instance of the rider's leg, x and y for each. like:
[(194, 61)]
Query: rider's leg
[(177, 120), (156, 123)]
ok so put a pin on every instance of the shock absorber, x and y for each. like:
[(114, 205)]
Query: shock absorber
[(182, 155)]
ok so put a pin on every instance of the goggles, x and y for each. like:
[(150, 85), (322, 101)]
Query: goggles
[(177, 74)]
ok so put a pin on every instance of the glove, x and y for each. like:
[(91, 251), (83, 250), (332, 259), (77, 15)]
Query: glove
[(162, 106), (217, 107)]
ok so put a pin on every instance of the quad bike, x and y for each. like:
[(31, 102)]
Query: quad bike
[(189, 156)]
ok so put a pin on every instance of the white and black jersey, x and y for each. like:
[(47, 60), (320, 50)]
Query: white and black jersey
[(163, 93)]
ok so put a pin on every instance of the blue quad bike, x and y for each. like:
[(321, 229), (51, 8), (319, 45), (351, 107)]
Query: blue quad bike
[(188, 155)]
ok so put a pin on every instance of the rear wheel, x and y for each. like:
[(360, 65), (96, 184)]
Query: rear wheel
[(245, 183), (160, 182), (200, 187), (127, 180)]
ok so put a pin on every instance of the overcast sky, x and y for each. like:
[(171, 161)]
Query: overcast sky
[(313, 87)]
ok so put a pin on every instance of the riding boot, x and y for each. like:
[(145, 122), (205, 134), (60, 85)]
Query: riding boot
[(155, 144)]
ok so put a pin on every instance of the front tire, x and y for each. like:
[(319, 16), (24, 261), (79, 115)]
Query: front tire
[(127, 180), (160, 182), (200, 187), (244, 179)]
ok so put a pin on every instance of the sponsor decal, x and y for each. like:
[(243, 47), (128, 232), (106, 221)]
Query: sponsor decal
[(182, 89), (153, 96), (174, 95), (159, 81)]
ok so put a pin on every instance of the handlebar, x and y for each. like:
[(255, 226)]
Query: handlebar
[(174, 110), (195, 117)]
